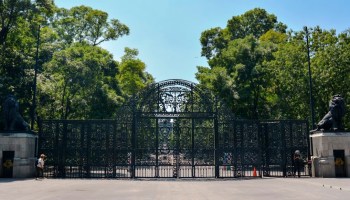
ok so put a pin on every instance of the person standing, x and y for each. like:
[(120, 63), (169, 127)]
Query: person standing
[(40, 167), (297, 162)]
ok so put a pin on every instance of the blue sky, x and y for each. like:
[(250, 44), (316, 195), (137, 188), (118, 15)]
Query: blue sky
[(167, 32)]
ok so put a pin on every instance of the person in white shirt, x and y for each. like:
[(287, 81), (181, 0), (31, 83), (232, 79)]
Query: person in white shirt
[(40, 167)]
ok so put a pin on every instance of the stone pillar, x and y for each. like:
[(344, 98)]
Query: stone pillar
[(326, 167), (324, 144), (347, 163), (23, 144), (314, 166)]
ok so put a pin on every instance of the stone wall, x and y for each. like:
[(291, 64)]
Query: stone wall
[(324, 144), (24, 147)]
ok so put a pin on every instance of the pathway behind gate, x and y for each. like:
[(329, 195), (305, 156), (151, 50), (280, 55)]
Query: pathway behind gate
[(102, 189)]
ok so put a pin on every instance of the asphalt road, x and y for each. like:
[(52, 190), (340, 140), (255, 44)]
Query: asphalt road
[(179, 189)]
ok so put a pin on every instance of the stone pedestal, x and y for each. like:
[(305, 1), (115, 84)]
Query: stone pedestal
[(22, 147), (324, 161)]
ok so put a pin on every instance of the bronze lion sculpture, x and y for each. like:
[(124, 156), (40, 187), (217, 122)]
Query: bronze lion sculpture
[(12, 120), (333, 119)]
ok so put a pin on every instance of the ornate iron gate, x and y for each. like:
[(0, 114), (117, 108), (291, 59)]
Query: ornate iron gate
[(172, 129)]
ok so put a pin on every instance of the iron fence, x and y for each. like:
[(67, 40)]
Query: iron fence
[(172, 129), (104, 149)]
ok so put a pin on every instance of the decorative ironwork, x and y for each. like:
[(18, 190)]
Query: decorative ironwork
[(171, 129)]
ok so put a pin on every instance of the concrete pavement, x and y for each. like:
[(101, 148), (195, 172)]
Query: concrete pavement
[(179, 189)]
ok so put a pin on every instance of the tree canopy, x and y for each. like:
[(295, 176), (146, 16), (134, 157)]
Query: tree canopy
[(76, 78), (256, 65), (261, 70)]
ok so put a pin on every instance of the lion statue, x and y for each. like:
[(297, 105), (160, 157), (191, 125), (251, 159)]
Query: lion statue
[(333, 119), (12, 120)]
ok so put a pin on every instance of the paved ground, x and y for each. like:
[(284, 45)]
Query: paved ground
[(102, 189)]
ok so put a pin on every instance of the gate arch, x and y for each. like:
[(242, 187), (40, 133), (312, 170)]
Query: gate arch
[(175, 95), (175, 130)]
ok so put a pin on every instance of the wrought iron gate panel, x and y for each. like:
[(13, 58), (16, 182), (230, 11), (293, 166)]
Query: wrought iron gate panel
[(273, 144), (247, 145), (146, 147), (172, 129), (296, 137), (50, 131), (267, 146), (166, 146), (85, 149), (203, 147), (183, 151), (174, 147)]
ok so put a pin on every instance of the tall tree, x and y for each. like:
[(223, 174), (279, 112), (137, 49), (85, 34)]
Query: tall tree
[(330, 68), (254, 22), (77, 79), (11, 11), (83, 23), (239, 50), (288, 90), (132, 76), (289, 69), (19, 32), (261, 70)]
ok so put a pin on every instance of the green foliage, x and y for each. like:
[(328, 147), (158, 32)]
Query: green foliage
[(19, 30), (255, 22), (83, 23), (212, 41), (76, 78), (331, 69), (261, 70), (132, 76), (244, 77), (255, 66), (11, 12), (274, 37), (289, 84)]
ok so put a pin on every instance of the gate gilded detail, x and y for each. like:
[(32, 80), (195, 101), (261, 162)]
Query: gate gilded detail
[(171, 129)]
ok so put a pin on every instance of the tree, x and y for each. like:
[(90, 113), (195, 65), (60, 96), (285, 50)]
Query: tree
[(330, 67), (11, 12), (255, 22), (260, 70), (18, 39), (289, 69), (132, 76), (288, 90), (83, 23), (241, 49), (76, 80)]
